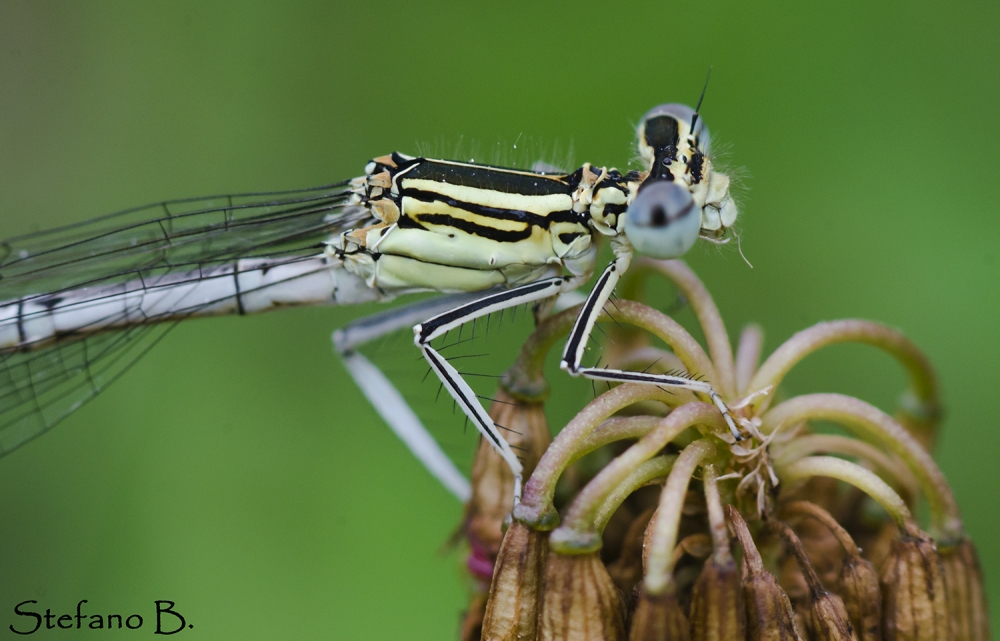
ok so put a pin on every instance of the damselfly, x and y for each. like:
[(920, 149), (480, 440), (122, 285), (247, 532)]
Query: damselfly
[(79, 304)]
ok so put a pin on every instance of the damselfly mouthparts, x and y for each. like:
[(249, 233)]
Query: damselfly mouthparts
[(79, 304)]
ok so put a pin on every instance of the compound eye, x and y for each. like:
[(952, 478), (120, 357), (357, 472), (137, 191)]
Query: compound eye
[(662, 126), (662, 221)]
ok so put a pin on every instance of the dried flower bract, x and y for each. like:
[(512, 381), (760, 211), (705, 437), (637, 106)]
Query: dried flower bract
[(641, 545)]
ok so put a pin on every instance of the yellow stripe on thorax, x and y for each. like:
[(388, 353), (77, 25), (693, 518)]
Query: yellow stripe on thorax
[(539, 205)]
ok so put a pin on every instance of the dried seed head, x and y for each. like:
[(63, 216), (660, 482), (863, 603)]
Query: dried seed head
[(580, 601), (512, 609), (493, 482), (658, 617), (769, 612), (913, 590), (538, 593), (963, 579)]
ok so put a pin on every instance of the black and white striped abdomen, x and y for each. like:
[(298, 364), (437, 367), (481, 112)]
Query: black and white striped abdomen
[(242, 287)]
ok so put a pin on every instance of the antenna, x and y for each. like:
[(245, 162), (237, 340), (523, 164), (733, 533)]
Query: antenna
[(694, 118)]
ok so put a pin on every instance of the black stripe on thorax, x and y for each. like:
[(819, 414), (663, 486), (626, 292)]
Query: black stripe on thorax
[(611, 183), (492, 233), (508, 181)]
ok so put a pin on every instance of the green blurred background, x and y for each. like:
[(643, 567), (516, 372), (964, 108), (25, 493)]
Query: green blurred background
[(238, 472)]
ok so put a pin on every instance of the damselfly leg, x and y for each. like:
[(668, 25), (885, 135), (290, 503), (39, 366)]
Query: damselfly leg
[(584, 325)]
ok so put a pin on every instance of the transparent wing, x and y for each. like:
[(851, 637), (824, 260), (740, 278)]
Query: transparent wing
[(170, 235), (159, 246), (40, 388)]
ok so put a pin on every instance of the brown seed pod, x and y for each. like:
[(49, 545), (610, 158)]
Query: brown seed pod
[(717, 610), (914, 600), (862, 597), (963, 579), (512, 609), (659, 617), (769, 612), (580, 601)]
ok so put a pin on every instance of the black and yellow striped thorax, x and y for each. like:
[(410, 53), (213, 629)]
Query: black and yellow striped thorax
[(513, 224)]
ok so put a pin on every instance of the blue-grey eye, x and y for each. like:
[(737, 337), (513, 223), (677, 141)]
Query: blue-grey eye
[(660, 126), (662, 221)]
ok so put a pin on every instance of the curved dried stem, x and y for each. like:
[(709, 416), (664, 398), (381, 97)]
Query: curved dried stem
[(535, 508), (923, 384), (578, 531), (748, 352), (652, 471), (617, 428), (659, 567), (716, 516), (752, 562), (852, 474), (870, 422), (810, 444)]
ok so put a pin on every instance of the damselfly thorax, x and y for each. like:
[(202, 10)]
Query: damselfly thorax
[(74, 301), (452, 226)]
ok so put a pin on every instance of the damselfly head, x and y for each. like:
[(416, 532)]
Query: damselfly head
[(681, 197), (666, 129)]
